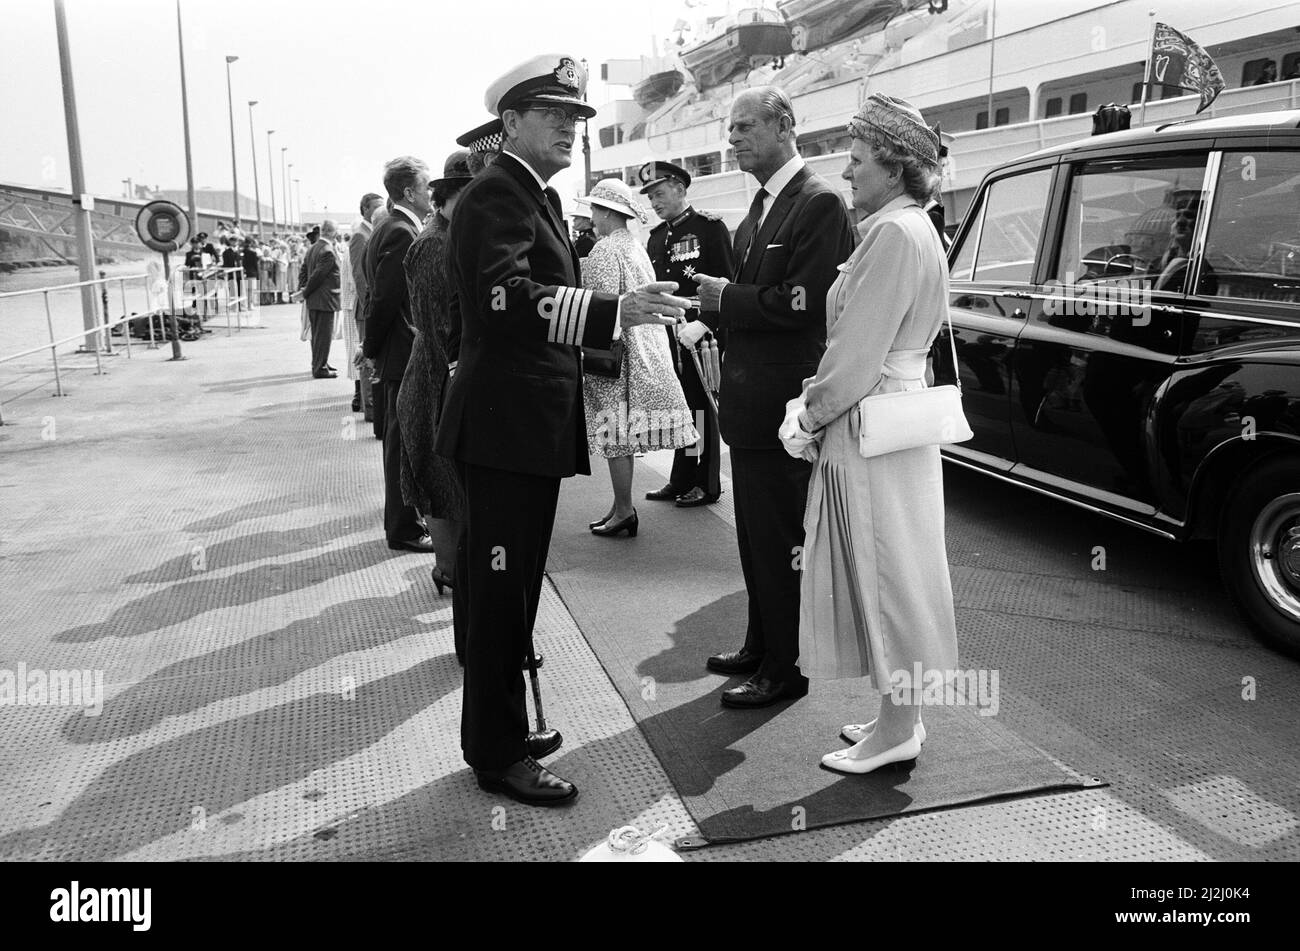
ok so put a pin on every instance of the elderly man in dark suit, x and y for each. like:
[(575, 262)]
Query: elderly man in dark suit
[(513, 417), (321, 292), (773, 313), (370, 202), (389, 334)]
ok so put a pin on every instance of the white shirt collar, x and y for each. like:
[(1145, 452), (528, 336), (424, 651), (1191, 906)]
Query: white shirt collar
[(541, 183), (782, 176), (409, 214)]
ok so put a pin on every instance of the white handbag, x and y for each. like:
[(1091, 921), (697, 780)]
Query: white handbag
[(908, 419)]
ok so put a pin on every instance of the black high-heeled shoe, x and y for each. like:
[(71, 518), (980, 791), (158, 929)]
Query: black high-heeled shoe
[(610, 529), (608, 516), (441, 581)]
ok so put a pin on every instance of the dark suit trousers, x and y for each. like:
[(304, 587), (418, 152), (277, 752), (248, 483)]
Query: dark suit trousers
[(771, 490), (508, 522), (698, 465), (400, 523), (322, 335)]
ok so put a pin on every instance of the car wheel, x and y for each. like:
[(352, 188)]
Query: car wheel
[(1259, 551)]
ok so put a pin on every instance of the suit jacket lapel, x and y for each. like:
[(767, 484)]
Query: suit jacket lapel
[(776, 215), (529, 185)]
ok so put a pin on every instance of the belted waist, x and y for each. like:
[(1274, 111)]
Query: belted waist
[(905, 364)]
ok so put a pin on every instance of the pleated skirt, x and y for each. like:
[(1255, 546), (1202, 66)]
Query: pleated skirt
[(875, 595)]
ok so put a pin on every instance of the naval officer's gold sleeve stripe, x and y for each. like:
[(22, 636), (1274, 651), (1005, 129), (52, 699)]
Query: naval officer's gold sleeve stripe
[(557, 316), (566, 314), (582, 314)]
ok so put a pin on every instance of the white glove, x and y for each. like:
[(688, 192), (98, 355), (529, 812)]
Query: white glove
[(688, 335), (793, 437)]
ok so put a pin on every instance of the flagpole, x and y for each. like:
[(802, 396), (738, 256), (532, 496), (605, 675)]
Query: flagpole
[(1146, 74)]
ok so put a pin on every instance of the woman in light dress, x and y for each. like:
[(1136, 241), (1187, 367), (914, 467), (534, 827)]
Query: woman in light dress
[(875, 597), (643, 408)]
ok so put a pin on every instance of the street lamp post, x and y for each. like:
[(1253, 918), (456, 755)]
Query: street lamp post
[(270, 174), (586, 142), (234, 166), (257, 189), (80, 200), (185, 114), (284, 183), (292, 220), (297, 186)]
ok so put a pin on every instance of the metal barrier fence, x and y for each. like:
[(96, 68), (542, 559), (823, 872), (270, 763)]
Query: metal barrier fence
[(217, 292), (193, 293)]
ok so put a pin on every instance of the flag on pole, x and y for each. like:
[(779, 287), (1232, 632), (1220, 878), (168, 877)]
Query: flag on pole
[(1178, 61)]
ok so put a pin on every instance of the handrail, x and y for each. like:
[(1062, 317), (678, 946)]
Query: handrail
[(68, 287)]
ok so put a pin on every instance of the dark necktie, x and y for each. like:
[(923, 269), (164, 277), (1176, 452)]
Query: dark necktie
[(553, 198), (755, 215)]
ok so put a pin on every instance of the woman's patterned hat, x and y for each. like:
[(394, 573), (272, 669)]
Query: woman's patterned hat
[(900, 122), (613, 193)]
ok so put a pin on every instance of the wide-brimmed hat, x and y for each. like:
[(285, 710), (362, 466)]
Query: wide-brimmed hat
[(652, 173), (614, 194), (900, 122), (484, 138), (553, 79), (455, 171)]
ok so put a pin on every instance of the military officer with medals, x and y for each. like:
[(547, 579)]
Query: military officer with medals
[(513, 416), (685, 243)]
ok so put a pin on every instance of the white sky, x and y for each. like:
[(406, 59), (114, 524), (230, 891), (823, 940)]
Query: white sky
[(346, 84)]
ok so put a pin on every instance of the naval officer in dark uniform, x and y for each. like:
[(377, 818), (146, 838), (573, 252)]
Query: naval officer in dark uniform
[(513, 417), (685, 243)]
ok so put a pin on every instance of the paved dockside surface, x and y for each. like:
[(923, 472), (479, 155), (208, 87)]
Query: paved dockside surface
[(202, 542)]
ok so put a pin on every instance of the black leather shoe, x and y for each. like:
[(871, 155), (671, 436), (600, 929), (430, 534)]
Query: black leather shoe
[(601, 521), (529, 782), (422, 544), (541, 745), (760, 692), (734, 662), (539, 656), (324, 375), (614, 527), (696, 496), (666, 494)]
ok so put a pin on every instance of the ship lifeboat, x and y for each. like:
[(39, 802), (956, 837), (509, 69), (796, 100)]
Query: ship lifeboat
[(657, 88), (748, 40), (815, 24)]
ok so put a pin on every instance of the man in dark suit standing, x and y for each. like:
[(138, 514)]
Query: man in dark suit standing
[(389, 334), (685, 243), (357, 261), (321, 292), (513, 416), (788, 248)]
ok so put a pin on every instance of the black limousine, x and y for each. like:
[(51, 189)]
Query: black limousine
[(1127, 320)]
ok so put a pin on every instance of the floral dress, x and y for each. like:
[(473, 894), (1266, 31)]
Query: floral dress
[(644, 407)]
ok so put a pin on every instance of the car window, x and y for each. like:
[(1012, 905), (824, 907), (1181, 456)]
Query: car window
[(1252, 249), (1131, 221), (1001, 244)]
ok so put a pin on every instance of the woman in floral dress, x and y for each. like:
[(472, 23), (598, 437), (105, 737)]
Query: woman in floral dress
[(643, 407)]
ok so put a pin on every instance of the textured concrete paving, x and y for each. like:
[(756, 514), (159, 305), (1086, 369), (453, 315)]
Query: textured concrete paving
[(277, 684)]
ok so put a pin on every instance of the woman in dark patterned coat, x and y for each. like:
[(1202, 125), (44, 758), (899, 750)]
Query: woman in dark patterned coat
[(429, 481)]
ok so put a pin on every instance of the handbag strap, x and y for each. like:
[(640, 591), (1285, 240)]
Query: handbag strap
[(952, 342)]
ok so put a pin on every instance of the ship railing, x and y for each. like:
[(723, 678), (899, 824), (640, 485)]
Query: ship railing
[(98, 339), (162, 302), (216, 292)]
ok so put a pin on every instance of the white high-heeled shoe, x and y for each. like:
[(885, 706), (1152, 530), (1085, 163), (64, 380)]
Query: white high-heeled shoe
[(842, 762), (857, 732)]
